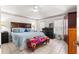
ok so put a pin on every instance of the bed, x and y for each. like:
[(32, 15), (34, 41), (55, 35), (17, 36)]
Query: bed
[(21, 32), (20, 38)]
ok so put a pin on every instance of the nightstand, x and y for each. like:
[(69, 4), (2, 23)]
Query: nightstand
[(4, 37)]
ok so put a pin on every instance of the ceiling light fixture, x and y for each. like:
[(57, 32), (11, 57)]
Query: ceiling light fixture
[(35, 9)]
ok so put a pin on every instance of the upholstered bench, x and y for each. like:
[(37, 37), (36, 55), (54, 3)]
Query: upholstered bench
[(37, 41)]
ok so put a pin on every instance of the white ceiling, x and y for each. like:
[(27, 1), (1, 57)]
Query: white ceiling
[(44, 10)]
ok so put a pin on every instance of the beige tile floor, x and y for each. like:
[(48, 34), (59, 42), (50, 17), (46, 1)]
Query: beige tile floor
[(53, 47)]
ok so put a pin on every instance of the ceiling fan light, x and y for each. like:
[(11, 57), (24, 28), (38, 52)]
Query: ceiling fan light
[(35, 10), (36, 7)]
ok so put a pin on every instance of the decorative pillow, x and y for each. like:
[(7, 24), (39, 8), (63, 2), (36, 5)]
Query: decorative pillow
[(25, 30), (28, 29)]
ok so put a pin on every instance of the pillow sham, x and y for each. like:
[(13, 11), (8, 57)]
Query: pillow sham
[(18, 30)]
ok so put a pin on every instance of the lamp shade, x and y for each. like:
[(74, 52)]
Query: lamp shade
[(3, 27)]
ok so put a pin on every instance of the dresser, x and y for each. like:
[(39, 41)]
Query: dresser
[(4, 37), (48, 32)]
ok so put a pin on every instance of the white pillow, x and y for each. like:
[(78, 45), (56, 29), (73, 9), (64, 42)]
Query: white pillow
[(18, 30)]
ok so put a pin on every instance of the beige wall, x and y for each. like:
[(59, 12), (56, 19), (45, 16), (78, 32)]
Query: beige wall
[(6, 19), (58, 24)]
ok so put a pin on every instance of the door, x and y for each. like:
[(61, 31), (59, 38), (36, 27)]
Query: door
[(72, 49)]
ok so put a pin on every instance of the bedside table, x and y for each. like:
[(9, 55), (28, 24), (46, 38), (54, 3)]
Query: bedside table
[(4, 37)]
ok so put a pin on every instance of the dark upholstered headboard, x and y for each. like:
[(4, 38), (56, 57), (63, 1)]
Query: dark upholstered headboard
[(20, 25)]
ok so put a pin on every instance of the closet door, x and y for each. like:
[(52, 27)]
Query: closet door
[(72, 49)]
